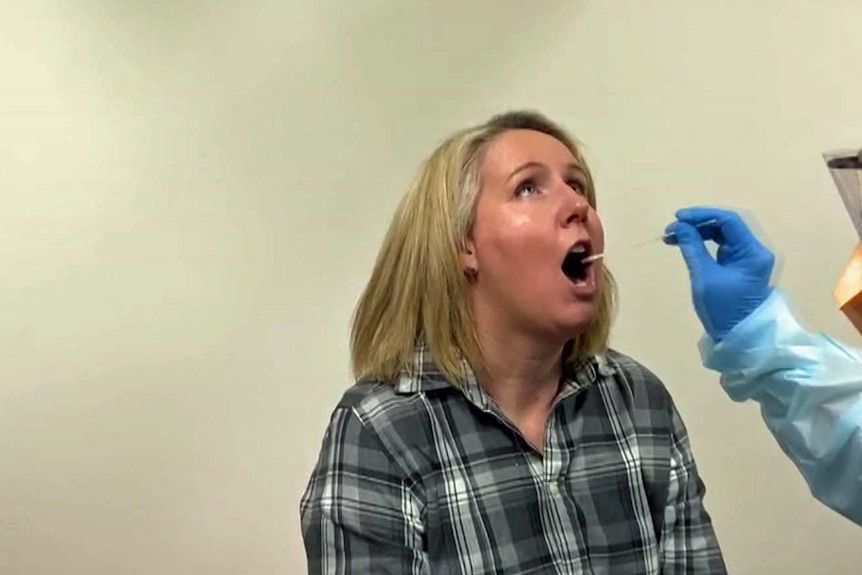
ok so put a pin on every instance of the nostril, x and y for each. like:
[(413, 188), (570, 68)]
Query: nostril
[(576, 217)]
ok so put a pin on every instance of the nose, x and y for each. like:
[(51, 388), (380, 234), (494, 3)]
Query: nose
[(575, 209)]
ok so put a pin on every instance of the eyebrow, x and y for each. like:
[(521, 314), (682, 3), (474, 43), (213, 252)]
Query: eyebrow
[(572, 166)]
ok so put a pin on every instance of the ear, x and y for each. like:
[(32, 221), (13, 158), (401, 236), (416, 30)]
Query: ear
[(468, 256)]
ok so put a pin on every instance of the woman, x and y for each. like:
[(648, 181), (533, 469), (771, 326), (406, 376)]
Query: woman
[(491, 430)]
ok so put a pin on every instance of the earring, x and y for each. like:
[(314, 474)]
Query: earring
[(471, 274)]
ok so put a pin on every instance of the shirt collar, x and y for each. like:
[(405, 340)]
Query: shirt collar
[(424, 376)]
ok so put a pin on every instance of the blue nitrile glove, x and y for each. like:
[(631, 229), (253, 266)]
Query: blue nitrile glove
[(725, 290)]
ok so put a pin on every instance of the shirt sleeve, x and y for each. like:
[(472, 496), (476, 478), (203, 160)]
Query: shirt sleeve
[(688, 542), (358, 513), (809, 388)]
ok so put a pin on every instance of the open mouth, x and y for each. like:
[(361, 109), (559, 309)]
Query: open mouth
[(576, 265)]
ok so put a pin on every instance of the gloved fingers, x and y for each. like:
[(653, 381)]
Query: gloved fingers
[(694, 252), (758, 260), (708, 230), (695, 215), (669, 236), (729, 228)]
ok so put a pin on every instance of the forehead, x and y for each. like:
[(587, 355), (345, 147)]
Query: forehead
[(514, 148)]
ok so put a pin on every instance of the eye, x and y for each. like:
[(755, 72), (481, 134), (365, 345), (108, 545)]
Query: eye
[(579, 186), (527, 188)]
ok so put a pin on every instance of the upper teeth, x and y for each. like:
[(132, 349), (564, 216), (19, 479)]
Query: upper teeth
[(580, 248)]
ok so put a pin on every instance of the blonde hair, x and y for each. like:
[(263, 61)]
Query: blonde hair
[(417, 293)]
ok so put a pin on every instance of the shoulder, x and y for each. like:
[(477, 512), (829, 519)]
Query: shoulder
[(632, 368), (643, 385), (397, 425), (379, 405)]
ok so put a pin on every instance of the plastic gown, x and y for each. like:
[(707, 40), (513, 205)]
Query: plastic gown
[(809, 388)]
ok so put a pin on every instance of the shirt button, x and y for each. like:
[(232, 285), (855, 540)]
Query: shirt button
[(554, 488)]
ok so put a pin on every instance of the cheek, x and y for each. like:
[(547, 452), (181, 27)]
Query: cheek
[(505, 236), (597, 232)]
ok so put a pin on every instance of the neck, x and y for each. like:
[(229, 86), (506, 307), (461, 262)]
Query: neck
[(521, 373)]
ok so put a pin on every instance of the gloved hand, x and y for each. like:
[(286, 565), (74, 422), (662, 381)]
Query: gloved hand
[(725, 290)]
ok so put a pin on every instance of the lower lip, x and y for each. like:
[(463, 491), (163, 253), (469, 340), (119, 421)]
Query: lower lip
[(587, 286)]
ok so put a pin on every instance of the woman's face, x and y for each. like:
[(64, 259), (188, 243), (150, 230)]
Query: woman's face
[(531, 213)]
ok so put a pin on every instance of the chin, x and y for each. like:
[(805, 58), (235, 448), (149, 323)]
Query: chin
[(577, 323)]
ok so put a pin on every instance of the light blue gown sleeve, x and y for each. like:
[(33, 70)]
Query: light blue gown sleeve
[(809, 388)]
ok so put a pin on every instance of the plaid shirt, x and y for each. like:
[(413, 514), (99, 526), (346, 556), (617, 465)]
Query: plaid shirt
[(423, 477)]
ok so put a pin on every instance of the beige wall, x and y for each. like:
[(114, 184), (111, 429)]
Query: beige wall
[(192, 198)]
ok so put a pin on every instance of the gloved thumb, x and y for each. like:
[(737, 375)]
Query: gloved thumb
[(693, 249)]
